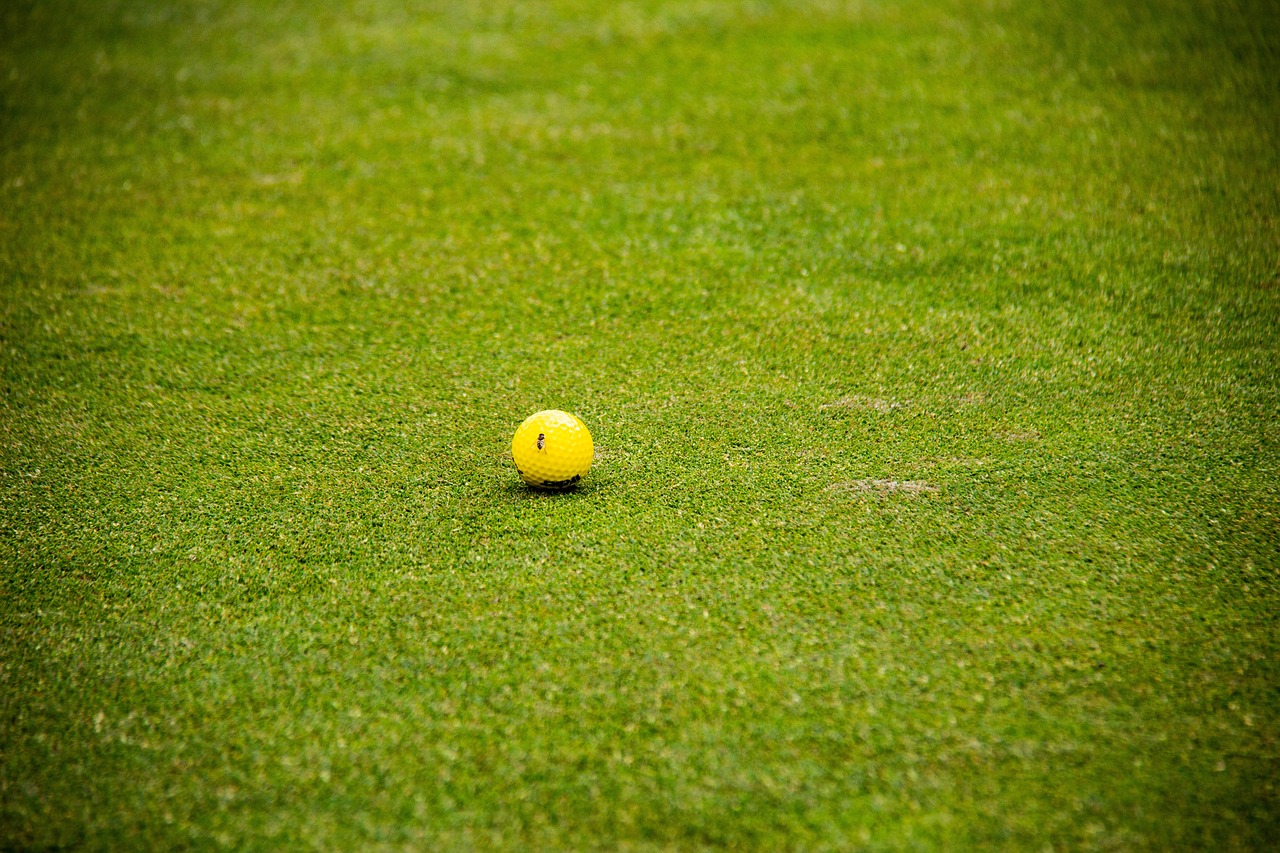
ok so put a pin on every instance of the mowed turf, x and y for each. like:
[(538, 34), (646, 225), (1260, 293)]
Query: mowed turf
[(931, 356)]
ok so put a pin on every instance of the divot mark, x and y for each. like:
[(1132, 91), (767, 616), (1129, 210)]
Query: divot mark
[(875, 404), (911, 487)]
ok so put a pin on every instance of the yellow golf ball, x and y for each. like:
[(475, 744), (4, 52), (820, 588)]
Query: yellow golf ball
[(552, 450)]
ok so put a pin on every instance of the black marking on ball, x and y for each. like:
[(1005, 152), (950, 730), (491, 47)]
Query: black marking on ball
[(562, 484), (542, 440)]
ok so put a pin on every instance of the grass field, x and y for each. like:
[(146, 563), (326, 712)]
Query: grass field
[(931, 352)]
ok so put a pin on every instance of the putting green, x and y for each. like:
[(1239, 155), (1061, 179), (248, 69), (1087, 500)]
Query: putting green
[(929, 351)]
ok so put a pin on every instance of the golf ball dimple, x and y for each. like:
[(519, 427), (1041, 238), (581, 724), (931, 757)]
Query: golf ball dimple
[(552, 450)]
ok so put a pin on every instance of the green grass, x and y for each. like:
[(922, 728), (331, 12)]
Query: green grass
[(931, 353)]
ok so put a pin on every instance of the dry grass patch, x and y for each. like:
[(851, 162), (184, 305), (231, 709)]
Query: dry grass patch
[(911, 487), (875, 404)]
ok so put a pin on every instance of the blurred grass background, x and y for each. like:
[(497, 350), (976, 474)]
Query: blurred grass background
[(930, 350)]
